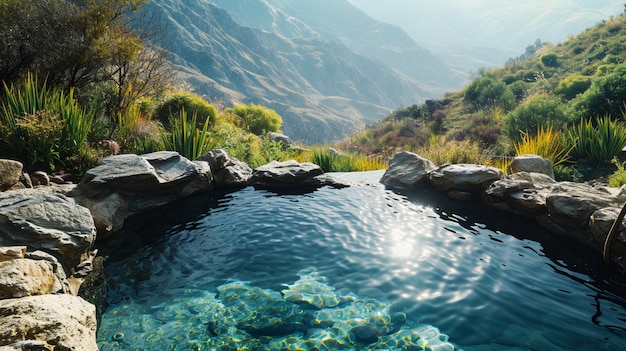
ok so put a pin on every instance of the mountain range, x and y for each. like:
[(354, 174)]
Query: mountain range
[(324, 66), (329, 68)]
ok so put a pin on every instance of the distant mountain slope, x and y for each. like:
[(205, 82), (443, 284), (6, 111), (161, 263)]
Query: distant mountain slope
[(322, 89), (340, 21), (479, 33)]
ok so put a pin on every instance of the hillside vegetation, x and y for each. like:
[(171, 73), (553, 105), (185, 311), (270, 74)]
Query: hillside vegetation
[(573, 93)]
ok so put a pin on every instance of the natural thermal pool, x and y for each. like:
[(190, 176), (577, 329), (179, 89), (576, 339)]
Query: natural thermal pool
[(215, 272)]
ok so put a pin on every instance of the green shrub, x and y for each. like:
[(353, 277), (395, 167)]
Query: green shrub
[(537, 111), (618, 178), (597, 144), (572, 85), (488, 92), (550, 60), (257, 119), (332, 161), (192, 103), (605, 97)]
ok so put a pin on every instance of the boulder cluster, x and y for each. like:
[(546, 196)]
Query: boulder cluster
[(578, 211), (48, 230)]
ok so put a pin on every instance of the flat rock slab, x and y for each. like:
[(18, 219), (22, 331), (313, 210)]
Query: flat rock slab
[(50, 222), (48, 322), (464, 177), (285, 174)]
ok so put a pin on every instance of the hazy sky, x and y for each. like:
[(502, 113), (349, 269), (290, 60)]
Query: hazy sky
[(508, 24)]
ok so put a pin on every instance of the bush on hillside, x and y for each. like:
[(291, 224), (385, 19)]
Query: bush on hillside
[(538, 110), (605, 97), (488, 92), (193, 104), (257, 119), (572, 85)]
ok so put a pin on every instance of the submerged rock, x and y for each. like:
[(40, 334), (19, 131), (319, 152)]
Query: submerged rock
[(314, 291)]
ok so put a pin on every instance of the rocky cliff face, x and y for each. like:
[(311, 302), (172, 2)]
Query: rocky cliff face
[(324, 74)]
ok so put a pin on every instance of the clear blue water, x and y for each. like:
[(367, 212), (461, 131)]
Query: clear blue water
[(488, 280)]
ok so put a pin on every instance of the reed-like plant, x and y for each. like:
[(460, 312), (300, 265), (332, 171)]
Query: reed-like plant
[(185, 138), (441, 151), (42, 126), (598, 143), (618, 178), (547, 143)]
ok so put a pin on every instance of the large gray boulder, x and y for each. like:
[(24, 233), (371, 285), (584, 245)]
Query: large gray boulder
[(407, 170), (122, 185), (532, 164), (273, 136), (164, 172), (10, 173), (227, 171), (45, 221), (47, 322), (286, 174), (469, 178)]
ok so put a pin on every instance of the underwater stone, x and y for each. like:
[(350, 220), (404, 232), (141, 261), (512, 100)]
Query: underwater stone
[(313, 291)]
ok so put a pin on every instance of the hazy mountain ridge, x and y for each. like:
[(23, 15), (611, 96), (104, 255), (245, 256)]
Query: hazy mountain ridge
[(322, 89), (469, 35)]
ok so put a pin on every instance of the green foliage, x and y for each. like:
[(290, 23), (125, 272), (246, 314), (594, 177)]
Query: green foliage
[(137, 134), (572, 85), (488, 92), (40, 127), (257, 119), (192, 103), (537, 111), (597, 144), (441, 151), (618, 178), (186, 139), (605, 97), (547, 143), (550, 60), (333, 161)]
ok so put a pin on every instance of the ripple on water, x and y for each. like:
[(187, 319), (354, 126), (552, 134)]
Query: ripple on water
[(483, 278)]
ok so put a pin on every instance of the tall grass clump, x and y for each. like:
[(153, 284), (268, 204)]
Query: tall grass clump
[(547, 143), (186, 139), (333, 161), (441, 151), (598, 143), (41, 127)]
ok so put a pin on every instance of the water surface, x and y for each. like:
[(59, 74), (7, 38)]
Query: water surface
[(490, 281)]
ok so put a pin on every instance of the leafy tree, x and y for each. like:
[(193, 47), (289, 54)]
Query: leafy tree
[(542, 110), (257, 119)]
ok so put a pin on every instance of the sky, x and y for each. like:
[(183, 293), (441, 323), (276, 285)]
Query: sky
[(506, 26)]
